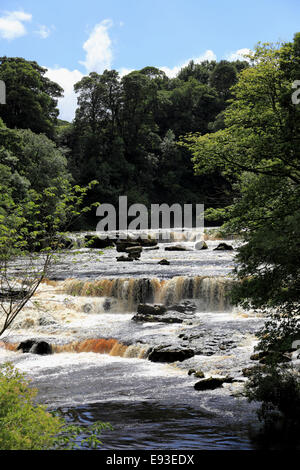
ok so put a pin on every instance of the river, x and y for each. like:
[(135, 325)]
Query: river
[(100, 368)]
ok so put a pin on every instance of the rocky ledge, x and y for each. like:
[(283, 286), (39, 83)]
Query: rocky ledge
[(176, 313)]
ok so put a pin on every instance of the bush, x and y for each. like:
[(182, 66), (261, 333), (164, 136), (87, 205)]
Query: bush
[(278, 390), (25, 425)]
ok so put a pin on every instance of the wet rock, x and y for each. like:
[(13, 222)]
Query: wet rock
[(134, 249), (169, 354), (108, 304), (147, 242), (176, 248), (149, 309), (123, 245), (184, 307), (13, 294), (196, 373), (223, 247), (87, 308), (134, 252), (200, 245), (199, 374), (164, 262), (92, 241), (211, 383), (46, 320), (159, 313), (124, 258), (152, 248), (35, 347)]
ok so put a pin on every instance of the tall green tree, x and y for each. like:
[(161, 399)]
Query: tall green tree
[(259, 153), (31, 98)]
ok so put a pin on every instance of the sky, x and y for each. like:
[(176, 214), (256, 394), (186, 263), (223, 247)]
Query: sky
[(72, 38)]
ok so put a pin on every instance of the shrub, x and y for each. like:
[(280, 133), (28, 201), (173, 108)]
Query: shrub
[(278, 390), (25, 425)]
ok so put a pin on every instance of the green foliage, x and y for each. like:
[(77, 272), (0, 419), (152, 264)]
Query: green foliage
[(125, 133), (25, 425), (31, 97), (258, 153), (278, 391)]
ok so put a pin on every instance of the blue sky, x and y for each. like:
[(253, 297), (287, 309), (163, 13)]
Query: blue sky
[(72, 38)]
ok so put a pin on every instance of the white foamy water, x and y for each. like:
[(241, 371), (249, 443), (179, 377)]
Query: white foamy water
[(90, 304)]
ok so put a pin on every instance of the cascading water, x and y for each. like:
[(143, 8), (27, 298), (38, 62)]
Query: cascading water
[(101, 358), (209, 293)]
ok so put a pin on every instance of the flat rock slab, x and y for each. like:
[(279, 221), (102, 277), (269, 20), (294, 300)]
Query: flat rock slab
[(177, 248)]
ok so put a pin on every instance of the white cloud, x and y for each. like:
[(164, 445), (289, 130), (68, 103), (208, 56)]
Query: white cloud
[(172, 72), (11, 24), (98, 48), (66, 79), (239, 55), (43, 31), (124, 71)]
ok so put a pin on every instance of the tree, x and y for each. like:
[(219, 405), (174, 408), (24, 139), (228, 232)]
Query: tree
[(31, 98), (258, 152), (31, 235)]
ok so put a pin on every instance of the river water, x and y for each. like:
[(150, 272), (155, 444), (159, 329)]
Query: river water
[(100, 368)]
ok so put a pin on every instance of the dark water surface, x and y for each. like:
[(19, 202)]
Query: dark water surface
[(154, 426)]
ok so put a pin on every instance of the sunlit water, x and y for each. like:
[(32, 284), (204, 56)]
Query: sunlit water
[(150, 405)]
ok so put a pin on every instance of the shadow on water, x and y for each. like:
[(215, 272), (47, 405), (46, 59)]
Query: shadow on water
[(148, 426)]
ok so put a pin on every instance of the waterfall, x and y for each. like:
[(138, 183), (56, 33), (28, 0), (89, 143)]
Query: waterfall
[(208, 292), (104, 346)]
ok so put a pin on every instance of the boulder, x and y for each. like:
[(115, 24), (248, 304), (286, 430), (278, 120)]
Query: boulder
[(93, 241), (134, 252), (164, 262), (123, 245), (124, 258), (223, 247), (169, 354), (211, 383), (176, 248), (35, 347), (200, 245)]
